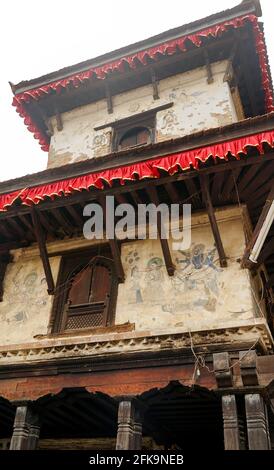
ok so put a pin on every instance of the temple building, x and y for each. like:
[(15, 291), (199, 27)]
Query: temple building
[(129, 343)]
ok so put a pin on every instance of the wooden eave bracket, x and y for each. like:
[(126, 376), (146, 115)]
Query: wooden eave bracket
[(46, 120), (210, 78), (114, 247), (5, 259), (108, 97), (228, 76), (212, 219), (41, 240), (59, 121), (154, 83), (246, 262), (170, 267)]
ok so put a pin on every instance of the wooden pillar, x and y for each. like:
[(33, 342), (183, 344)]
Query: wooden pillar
[(129, 433), (137, 429), (25, 429), (257, 422), (34, 433), (231, 423)]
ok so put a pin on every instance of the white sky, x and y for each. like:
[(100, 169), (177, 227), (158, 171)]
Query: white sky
[(39, 37)]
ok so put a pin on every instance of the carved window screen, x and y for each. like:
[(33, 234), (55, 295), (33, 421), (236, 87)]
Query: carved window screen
[(88, 296)]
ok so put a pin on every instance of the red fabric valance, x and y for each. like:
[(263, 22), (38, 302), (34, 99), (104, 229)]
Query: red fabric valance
[(143, 57), (138, 171)]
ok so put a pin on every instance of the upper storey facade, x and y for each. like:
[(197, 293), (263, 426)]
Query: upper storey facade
[(187, 104), (203, 75)]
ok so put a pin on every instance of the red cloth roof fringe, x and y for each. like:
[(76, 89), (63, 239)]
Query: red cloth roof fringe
[(168, 48), (137, 171)]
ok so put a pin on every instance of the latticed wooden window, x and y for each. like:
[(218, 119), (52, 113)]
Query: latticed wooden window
[(134, 137), (86, 293)]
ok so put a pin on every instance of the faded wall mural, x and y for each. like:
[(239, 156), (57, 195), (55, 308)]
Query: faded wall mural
[(200, 295), (25, 309)]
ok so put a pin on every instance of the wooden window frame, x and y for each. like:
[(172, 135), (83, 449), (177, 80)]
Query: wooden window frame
[(120, 129), (134, 132), (69, 264)]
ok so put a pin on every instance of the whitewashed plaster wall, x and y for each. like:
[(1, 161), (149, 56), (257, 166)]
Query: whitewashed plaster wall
[(197, 106), (201, 295)]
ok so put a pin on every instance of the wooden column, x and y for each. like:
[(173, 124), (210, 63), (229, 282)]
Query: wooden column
[(26, 429), (137, 429), (231, 423), (34, 434), (257, 422), (129, 433)]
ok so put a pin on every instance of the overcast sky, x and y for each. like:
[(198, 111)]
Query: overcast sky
[(40, 37)]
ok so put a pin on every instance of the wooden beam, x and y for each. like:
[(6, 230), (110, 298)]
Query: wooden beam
[(154, 83), (210, 78), (62, 221), (172, 192), (114, 247), (75, 216), (230, 184), (40, 237), (247, 177), (46, 223), (108, 97), (170, 267), (127, 120), (212, 220), (193, 192), (15, 228), (25, 221)]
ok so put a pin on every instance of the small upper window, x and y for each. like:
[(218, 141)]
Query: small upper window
[(134, 137)]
